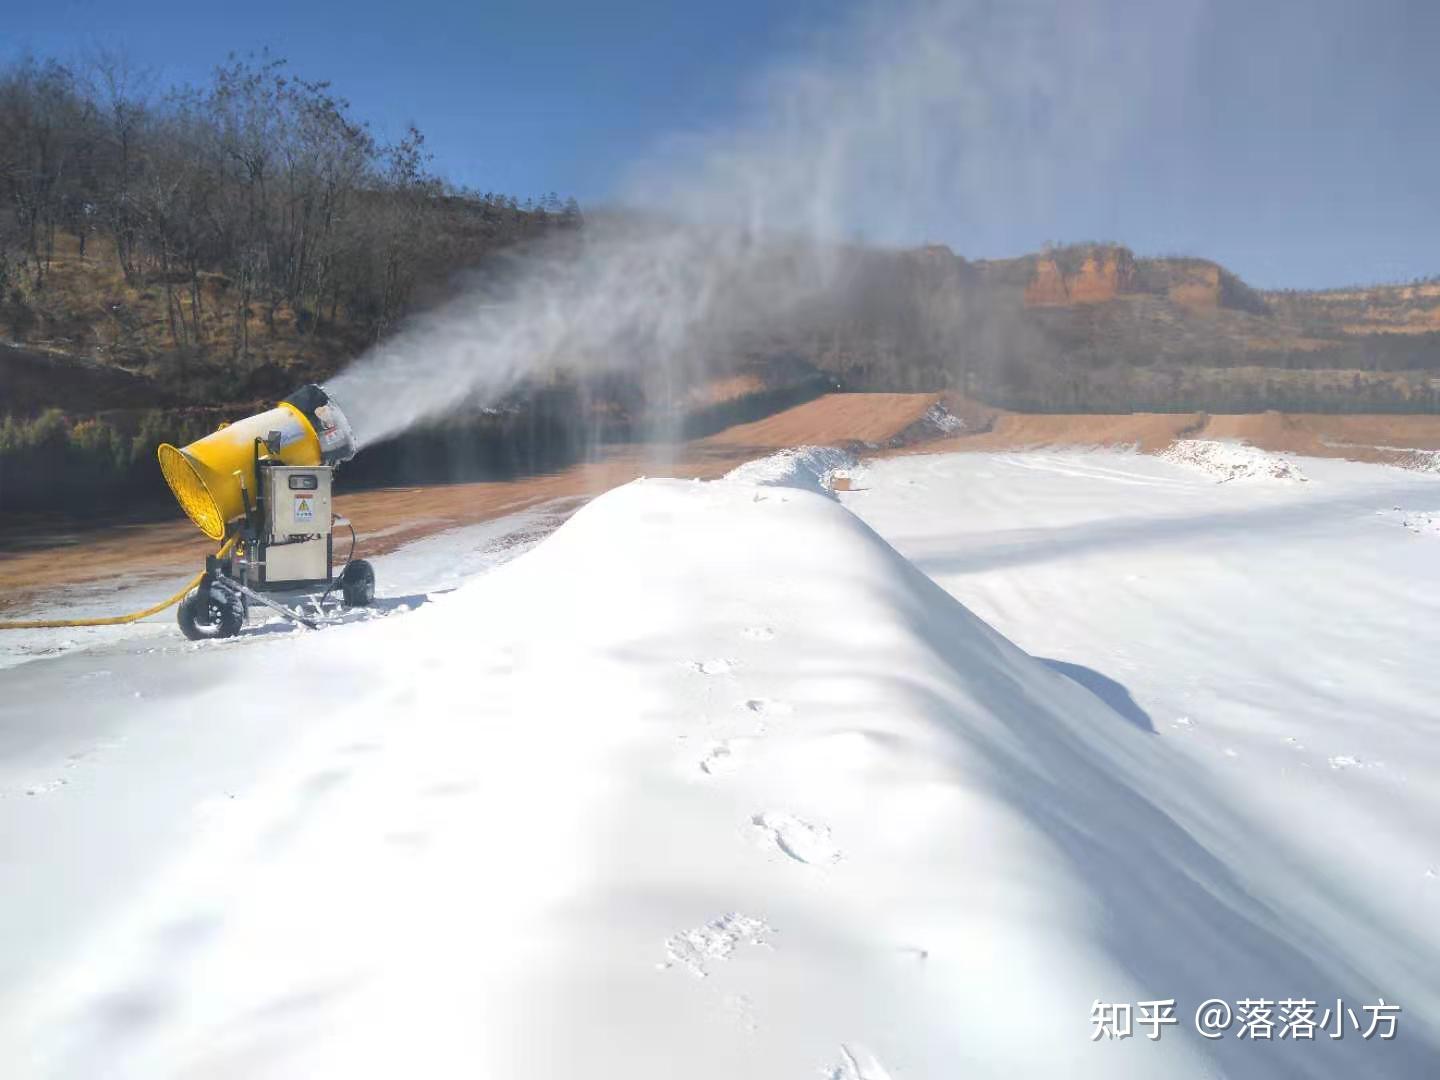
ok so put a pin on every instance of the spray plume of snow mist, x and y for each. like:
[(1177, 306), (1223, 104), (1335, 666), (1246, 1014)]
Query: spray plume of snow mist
[(927, 111)]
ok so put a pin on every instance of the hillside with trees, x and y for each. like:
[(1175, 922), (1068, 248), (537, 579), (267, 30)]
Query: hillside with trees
[(227, 240)]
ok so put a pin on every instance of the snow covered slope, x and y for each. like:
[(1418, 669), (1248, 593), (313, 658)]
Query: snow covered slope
[(712, 783), (1279, 638)]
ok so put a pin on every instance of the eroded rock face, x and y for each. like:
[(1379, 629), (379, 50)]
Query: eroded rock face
[(1047, 288), (1197, 287), (1069, 277), (1102, 279), (1102, 274)]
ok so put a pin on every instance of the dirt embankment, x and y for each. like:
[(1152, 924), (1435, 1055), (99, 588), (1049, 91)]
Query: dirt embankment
[(1385, 439), (1017, 431), (1420, 431), (834, 418)]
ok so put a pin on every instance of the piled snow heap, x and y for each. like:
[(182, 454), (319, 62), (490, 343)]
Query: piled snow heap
[(1419, 460), (809, 468), (1232, 461), (710, 784)]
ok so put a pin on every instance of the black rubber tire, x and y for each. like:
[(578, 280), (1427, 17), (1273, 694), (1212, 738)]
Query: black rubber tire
[(211, 616), (357, 584)]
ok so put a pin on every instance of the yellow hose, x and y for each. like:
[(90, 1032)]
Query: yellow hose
[(117, 620)]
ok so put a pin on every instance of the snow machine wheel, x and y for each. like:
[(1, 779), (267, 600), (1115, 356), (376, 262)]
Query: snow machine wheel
[(207, 613), (357, 584)]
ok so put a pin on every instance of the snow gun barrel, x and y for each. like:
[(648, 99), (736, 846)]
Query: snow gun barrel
[(211, 477)]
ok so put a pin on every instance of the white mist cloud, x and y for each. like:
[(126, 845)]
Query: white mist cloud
[(910, 114)]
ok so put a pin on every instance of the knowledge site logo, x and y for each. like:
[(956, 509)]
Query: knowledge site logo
[(1247, 1018)]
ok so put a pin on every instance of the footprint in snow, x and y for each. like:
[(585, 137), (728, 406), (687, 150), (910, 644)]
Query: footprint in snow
[(719, 760), (449, 789), (697, 949), (410, 841), (758, 633), (769, 707), (856, 1063), (741, 1011), (47, 786), (801, 841), (713, 667), (1345, 761)]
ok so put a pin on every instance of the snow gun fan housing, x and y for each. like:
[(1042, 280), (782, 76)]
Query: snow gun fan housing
[(263, 486), (212, 476)]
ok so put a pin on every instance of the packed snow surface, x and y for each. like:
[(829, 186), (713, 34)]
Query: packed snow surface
[(715, 782)]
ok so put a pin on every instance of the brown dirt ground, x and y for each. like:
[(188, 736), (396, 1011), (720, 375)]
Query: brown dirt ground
[(41, 554), (1359, 437), (1419, 431)]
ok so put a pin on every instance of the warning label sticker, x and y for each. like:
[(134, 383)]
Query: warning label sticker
[(304, 507)]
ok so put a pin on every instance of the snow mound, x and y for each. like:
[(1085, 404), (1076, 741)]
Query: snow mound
[(1228, 461), (508, 806), (809, 468)]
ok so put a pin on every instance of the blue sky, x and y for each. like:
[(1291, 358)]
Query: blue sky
[(1295, 142)]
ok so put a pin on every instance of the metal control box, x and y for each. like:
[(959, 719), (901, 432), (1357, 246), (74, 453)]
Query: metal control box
[(298, 501), (296, 541)]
